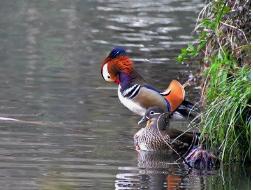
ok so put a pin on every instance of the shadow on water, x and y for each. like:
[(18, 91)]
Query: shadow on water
[(72, 132)]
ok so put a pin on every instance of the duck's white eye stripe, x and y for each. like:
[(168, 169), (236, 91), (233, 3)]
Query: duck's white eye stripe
[(105, 73), (154, 113), (105, 70)]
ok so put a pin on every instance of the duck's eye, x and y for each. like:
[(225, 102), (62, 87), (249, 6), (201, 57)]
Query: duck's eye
[(152, 112), (108, 77)]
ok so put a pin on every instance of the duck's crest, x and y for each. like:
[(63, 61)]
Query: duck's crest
[(116, 52), (119, 61)]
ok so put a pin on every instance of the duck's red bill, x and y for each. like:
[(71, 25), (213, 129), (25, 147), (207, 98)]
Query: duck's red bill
[(117, 81)]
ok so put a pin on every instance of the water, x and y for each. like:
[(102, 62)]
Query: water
[(51, 52)]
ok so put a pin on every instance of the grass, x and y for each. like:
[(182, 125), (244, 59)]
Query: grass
[(227, 117), (224, 46)]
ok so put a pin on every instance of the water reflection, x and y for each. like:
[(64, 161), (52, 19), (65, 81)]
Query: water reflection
[(156, 170), (160, 170)]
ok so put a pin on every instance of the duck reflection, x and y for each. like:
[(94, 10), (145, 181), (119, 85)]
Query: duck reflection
[(163, 172), (156, 170)]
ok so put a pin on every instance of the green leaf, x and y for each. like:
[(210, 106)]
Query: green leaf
[(226, 9), (179, 58), (184, 52), (207, 22), (190, 48), (201, 45)]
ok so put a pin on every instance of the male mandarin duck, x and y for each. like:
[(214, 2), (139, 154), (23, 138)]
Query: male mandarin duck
[(136, 94), (159, 136)]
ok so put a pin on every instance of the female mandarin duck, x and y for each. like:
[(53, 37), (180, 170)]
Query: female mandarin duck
[(159, 136), (135, 93)]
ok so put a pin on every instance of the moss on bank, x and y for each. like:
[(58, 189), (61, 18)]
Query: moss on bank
[(224, 34)]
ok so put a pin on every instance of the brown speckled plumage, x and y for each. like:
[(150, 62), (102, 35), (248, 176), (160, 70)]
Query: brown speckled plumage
[(159, 136)]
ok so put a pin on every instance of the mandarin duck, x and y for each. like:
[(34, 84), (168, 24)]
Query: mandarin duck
[(136, 94), (159, 136)]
